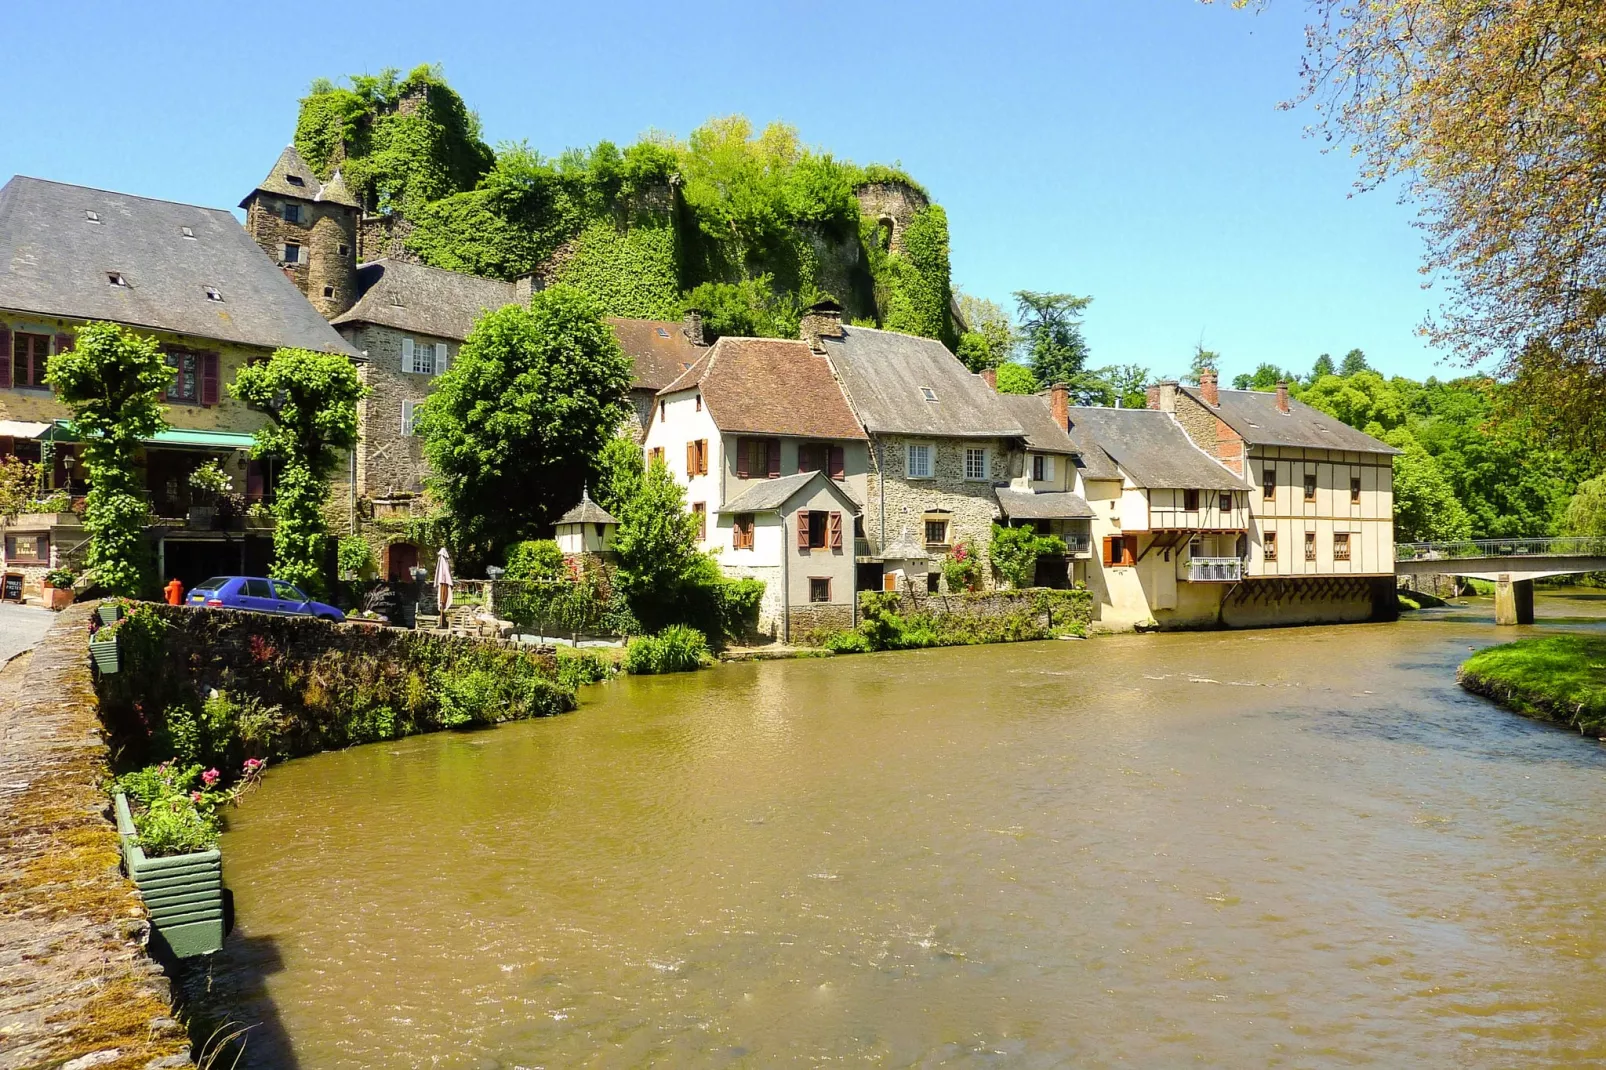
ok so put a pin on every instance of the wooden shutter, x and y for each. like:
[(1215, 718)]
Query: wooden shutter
[(440, 357), (255, 483), (836, 531), (772, 449), (408, 364), (889, 581), (702, 456), (839, 464), (691, 458), (209, 377), (5, 358), (802, 529), (1128, 544), (743, 445), (1109, 549)]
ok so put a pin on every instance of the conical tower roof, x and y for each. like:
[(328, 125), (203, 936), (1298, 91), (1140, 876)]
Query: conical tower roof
[(335, 191), (292, 176)]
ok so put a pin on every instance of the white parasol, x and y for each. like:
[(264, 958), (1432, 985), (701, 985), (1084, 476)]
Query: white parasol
[(443, 579)]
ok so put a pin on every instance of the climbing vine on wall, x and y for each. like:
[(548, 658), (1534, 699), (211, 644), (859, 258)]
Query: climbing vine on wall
[(631, 272)]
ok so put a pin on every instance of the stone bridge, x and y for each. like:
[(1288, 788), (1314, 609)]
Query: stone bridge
[(1511, 565)]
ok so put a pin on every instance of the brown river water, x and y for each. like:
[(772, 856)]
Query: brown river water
[(1303, 847)]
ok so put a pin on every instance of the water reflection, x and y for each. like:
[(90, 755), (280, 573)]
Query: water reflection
[(1300, 847)]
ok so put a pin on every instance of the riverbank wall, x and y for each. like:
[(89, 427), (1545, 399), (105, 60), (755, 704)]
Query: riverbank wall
[(79, 988), (1560, 678)]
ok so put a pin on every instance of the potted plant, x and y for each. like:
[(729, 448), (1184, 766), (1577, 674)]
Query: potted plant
[(58, 590), (104, 650), (207, 484), (110, 611)]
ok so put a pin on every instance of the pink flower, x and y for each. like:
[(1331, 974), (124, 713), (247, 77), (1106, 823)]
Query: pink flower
[(252, 765), (210, 777), (195, 797)]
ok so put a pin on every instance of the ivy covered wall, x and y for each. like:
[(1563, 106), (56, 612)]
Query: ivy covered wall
[(753, 225)]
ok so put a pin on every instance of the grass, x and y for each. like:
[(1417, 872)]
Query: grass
[(1558, 678)]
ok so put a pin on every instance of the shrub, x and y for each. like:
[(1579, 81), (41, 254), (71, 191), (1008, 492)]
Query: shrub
[(847, 641), (1015, 552), (354, 557), (960, 567), (675, 649), (535, 559), (60, 578), (584, 667)]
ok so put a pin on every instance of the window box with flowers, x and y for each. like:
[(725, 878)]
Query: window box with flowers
[(208, 483)]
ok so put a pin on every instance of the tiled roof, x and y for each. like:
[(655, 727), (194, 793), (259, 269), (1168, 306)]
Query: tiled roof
[(1254, 415), (428, 300), (1153, 449), (587, 512), (887, 376), (770, 386), (771, 495), (59, 244), (1043, 505), (292, 176), (659, 348)]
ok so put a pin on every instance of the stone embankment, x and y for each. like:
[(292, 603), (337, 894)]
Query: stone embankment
[(77, 988)]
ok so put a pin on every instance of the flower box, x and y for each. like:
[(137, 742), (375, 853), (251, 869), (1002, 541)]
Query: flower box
[(109, 612), (57, 598), (183, 893), (202, 517), (105, 654)]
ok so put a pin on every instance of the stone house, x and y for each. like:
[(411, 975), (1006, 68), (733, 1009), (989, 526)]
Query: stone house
[(941, 442), (192, 278), (760, 435)]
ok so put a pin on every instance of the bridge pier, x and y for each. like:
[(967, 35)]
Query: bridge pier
[(1513, 600)]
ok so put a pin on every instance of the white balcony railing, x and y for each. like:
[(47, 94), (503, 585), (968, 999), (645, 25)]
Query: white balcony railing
[(1215, 570)]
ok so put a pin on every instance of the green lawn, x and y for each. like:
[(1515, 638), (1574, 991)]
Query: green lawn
[(1560, 678)]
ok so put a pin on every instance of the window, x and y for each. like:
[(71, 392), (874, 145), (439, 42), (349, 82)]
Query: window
[(663, 407), (1341, 546), (699, 516), (214, 294), (661, 332), (27, 549), (1038, 472), (919, 461), (91, 217), (1224, 502), (29, 355), (697, 457), (1310, 486), (1190, 500), (928, 393), (819, 589), (328, 291), (292, 213), (933, 583), (344, 249), (697, 403), (975, 463), (409, 419), (116, 278), (295, 180), (1268, 483), (258, 589), (1269, 542), (655, 455), (186, 384), (1120, 550), (292, 253), (758, 458), (936, 532), (742, 532), (1355, 490), (186, 232), (284, 592), (819, 521), (1310, 546)]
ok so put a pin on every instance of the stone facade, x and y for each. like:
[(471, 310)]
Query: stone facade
[(807, 619), (325, 268), (892, 205), (384, 237), (1210, 432), (390, 463), (896, 506), (772, 605)]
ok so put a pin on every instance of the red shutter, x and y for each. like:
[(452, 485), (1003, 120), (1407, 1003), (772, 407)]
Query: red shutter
[(839, 464), (774, 451), (5, 358), (209, 384), (742, 446), (836, 531), (803, 529), (1128, 544)]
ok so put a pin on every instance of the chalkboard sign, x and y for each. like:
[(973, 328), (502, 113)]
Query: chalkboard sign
[(12, 589)]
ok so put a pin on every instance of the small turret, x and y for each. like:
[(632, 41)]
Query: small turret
[(309, 228)]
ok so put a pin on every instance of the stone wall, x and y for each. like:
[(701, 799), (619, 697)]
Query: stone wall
[(326, 269), (770, 604), (972, 505), (894, 202), (811, 617), (79, 989), (1209, 432), (993, 604), (384, 237)]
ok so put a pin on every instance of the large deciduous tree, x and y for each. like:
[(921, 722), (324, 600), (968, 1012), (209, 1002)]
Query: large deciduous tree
[(112, 381), (514, 427), (989, 339), (311, 402)]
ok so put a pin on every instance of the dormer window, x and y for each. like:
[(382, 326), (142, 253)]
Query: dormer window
[(928, 393), (116, 278), (213, 294), (295, 180), (91, 217), (186, 232)]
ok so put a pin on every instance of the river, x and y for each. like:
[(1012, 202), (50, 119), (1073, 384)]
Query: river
[(1303, 847)]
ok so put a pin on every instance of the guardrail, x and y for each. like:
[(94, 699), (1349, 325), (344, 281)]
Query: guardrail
[(1215, 570), (1563, 546)]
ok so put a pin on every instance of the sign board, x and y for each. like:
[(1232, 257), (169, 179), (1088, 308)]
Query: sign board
[(11, 587)]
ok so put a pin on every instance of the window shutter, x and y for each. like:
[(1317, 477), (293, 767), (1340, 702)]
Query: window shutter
[(1128, 544), (1048, 466), (802, 529), (5, 358), (702, 456), (407, 419), (774, 452), (836, 531), (743, 445), (209, 378), (440, 357), (1109, 550), (889, 581), (839, 465), (255, 484), (407, 356)]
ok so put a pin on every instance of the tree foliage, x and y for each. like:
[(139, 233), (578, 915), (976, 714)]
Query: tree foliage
[(1266, 377), (989, 339), (659, 562), (1203, 360), (1016, 378), (520, 416), (1051, 334), (1586, 513), (1014, 552), (112, 382)]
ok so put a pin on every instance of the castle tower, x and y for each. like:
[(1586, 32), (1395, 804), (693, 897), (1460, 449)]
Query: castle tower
[(309, 228)]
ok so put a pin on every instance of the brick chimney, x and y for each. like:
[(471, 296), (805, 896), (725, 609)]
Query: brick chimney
[(691, 325), (1208, 388), (990, 377), (1163, 396), (1059, 405), (820, 322), (1282, 397)]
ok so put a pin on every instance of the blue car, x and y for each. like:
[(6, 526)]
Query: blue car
[(259, 595)]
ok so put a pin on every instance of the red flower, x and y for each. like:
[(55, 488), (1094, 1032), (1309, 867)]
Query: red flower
[(195, 797), (210, 777)]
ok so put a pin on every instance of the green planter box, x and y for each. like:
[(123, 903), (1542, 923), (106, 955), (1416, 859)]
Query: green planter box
[(183, 894), (105, 654), (109, 612)]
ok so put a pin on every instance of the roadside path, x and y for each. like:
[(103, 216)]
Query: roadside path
[(21, 627)]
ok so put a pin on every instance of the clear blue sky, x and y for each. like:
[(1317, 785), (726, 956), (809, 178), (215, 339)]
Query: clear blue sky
[(1133, 150)]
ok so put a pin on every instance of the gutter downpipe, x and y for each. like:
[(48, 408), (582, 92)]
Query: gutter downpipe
[(786, 581)]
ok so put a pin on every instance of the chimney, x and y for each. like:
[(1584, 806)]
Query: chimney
[(1164, 396), (524, 287), (1208, 388), (820, 322), (691, 325), (1059, 405), (990, 377), (1282, 397)]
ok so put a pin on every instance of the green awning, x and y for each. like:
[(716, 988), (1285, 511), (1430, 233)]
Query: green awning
[(211, 440)]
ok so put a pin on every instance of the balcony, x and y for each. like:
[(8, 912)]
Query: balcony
[(1215, 570), (1078, 545)]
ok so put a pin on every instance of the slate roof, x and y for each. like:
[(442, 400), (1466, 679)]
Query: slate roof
[(1043, 505), (884, 374), (54, 261), (1095, 463), (660, 349), (1153, 449), (587, 512), (771, 495), (427, 300), (292, 176), (1254, 415), (770, 386)]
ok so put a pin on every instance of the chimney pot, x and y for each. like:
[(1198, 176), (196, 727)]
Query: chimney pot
[(1059, 404), (990, 377), (691, 325), (1208, 388), (1282, 397)]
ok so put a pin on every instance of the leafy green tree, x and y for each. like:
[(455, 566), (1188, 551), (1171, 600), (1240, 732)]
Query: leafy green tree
[(1203, 360), (1014, 552), (750, 308), (619, 472), (1051, 334), (534, 559), (1586, 512), (1362, 399), (1016, 378), (1354, 363), (1425, 505), (1264, 377), (1128, 384), (514, 427), (311, 402), (657, 546), (1322, 367), (112, 381), (990, 339)]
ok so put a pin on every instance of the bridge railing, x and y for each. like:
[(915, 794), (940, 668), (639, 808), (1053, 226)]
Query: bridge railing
[(1565, 546)]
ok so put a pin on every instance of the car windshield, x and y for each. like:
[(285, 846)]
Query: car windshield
[(213, 584)]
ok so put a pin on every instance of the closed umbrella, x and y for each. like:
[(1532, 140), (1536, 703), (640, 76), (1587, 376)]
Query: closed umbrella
[(443, 579)]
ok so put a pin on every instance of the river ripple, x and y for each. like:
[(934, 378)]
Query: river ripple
[(1302, 847)]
